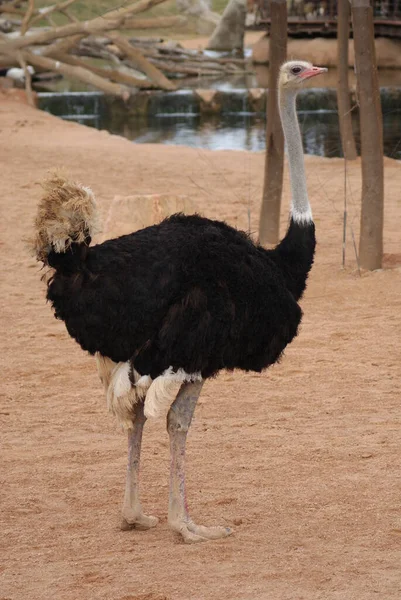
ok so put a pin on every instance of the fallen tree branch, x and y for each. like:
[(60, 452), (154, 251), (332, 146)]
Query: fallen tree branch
[(141, 63), (93, 48), (44, 13), (28, 79), (107, 22), (11, 10), (113, 74), (170, 67), (70, 17), (61, 49), (201, 60), (62, 46), (77, 72), (156, 22), (27, 17)]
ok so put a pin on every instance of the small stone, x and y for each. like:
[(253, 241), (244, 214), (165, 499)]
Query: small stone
[(366, 455), (237, 522)]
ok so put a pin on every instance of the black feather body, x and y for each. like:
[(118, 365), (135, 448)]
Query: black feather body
[(188, 293)]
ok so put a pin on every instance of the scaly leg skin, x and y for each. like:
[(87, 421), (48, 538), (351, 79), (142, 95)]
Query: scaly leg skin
[(178, 421), (132, 514)]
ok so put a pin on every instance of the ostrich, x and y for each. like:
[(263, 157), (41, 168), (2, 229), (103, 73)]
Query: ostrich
[(167, 307)]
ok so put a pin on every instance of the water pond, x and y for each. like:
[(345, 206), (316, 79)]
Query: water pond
[(176, 118)]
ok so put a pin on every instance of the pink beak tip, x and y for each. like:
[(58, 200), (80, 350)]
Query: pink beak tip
[(313, 71)]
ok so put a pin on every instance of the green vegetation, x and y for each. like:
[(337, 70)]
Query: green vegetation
[(219, 5), (85, 10), (88, 10)]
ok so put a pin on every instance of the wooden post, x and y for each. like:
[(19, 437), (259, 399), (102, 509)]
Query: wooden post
[(269, 225), (371, 125), (343, 96)]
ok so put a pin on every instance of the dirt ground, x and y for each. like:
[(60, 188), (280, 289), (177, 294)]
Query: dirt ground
[(304, 460)]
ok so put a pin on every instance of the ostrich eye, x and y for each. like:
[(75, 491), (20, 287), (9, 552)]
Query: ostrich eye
[(296, 70)]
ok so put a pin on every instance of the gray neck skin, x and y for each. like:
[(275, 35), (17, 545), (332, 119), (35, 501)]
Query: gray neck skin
[(301, 211)]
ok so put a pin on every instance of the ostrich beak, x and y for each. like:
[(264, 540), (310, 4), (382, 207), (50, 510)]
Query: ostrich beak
[(312, 72)]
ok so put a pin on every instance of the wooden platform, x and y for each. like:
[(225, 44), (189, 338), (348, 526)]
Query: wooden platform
[(327, 27)]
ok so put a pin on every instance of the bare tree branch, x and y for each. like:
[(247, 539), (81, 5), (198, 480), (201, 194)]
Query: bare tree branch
[(77, 72), (44, 13), (28, 79), (27, 16), (141, 62), (113, 74), (107, 22)]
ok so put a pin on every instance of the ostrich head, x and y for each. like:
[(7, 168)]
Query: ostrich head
[(295, 72)]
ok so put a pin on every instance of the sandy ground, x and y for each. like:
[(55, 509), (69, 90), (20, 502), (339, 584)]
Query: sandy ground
[(304, 460)]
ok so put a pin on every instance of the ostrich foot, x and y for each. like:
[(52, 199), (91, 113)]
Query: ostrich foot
[(137, 520), (192, 533)]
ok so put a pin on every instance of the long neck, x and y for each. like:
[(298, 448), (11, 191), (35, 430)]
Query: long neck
[(300, 207), (294, 254)]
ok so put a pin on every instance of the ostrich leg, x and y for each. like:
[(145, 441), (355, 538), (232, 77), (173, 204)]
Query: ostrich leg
[(132, 514), (178, 421)]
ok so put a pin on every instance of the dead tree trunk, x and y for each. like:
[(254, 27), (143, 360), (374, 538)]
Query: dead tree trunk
[(230, 31), (269, 225), (343, 95), (371, 125)]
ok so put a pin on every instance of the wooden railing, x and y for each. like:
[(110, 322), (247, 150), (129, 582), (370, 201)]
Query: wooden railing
[(309, 16)]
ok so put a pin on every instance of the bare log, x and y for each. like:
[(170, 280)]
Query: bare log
[(11, 9), (62, 46), (107, 22), (113, 74), (83, 74), (70, 17), (53, 48), (141, 63), (44, 13), (155, 22), (28, 79), (218, 63), (170, 67), (93, 48), (27, 17)]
